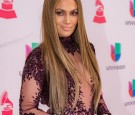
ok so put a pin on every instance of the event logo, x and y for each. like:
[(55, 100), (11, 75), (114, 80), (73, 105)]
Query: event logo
[(132, 8), (6, 106), (99, 17), (7, 10), (132, 88), (115, 55), (30, 48), (131, 91), (132, 13), (116, 52)]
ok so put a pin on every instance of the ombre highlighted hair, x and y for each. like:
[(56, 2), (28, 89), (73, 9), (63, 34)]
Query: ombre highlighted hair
[(57, 59)]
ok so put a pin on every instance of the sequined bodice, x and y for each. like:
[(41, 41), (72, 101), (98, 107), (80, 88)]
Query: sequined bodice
[(35, 87)]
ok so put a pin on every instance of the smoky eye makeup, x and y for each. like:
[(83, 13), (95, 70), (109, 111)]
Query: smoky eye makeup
[(74, 12), (59, 12)]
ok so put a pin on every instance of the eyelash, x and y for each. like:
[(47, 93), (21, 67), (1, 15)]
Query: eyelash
[(74, 13), (59, 13)]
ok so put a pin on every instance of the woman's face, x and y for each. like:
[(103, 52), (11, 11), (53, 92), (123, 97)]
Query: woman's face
[(66, 16)]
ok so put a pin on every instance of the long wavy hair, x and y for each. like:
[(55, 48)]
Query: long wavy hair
[(57, 59)]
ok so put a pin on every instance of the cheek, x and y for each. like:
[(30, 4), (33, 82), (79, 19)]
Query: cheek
[(75, 21), (58, 21)]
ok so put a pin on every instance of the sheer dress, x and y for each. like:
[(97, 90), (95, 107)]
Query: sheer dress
[(35, 88)]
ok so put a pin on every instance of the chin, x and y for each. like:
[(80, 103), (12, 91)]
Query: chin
[(65, 34)]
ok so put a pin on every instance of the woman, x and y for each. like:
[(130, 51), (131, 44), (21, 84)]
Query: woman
[(62, 72)]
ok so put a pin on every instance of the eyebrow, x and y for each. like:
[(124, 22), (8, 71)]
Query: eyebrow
[(64, 10)]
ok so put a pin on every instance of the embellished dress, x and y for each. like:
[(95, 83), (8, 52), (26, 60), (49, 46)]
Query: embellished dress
[(35, 87)]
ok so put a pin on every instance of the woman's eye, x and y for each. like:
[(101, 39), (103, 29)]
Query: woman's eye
[(60, 13), (74, 13)]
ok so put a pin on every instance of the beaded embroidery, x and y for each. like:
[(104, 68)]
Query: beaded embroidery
[(34, 74)]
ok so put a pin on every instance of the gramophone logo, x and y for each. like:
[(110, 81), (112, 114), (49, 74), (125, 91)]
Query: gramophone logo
[(6, 10), (132, 8), (30, 48), (6, 106), (99, 17)]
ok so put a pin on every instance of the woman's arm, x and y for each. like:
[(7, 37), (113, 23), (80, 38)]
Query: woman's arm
[(29, 97), (32, 84), (102, 108)]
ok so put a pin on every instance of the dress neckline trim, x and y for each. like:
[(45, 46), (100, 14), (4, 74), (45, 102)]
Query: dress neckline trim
[(70, 44)]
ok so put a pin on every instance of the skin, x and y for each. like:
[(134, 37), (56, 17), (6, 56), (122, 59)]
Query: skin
[(66, 17)]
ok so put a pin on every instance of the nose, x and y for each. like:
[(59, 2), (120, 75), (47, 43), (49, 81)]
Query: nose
[(67, 19)]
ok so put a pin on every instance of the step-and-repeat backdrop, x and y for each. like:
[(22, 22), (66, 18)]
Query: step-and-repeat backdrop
[(110, 27)]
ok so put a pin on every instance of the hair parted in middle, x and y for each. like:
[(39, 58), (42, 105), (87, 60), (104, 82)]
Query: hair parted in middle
[(57, 59)]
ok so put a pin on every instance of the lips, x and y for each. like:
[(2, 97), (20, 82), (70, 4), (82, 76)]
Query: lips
[(66, 28)]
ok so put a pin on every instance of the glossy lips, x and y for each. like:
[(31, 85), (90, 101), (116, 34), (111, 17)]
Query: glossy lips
[(66, 28)]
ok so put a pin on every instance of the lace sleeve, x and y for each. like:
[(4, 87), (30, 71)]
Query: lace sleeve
[(102, 108), (32, 85)]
